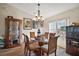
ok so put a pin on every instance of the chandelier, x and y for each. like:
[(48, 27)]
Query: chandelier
[(38, 17)]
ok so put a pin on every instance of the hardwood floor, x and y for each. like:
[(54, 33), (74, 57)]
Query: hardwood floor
[(60, 52), (19, 51)]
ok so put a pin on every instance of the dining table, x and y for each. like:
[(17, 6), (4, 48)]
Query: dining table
[(39, 41)]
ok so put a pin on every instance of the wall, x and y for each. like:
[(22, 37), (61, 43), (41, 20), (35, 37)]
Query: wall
[(72, 15)]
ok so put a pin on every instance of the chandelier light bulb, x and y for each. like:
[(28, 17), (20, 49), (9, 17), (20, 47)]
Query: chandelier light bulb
[(38, 17)]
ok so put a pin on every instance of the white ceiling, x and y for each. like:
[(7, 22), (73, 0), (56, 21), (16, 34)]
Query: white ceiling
[(47, 9)]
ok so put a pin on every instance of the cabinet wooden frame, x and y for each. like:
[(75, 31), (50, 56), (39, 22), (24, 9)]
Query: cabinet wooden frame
[(7, 40)]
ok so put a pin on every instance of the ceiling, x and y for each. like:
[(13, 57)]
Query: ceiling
[(47, 9)]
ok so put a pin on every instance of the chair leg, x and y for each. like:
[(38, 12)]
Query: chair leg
[(29, 53), (55, 53), (42, 53), (47, 54), (25, 51)]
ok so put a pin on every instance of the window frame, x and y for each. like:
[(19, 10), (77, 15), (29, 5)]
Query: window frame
[(56, 25)]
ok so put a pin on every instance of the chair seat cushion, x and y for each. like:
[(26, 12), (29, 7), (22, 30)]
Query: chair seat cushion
[(46, 40), (45, 48), (34, 48), (34, 45), (32, 38)]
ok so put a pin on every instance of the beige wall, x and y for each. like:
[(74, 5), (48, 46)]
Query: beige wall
[(71, 16)]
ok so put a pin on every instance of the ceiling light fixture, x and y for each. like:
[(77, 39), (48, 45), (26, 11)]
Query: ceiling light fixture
[(38, 17)]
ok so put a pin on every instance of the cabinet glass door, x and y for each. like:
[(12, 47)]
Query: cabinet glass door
[(14, 32)]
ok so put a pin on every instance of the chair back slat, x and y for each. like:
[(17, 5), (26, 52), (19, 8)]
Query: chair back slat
[(32, 34), (52, 44), (46, 34), (52, 34), (26, 40)]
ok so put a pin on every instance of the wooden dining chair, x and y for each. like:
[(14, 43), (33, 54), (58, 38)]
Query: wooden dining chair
[(26, 47), (29, 46), (46, 35), (51, 34), (32, 35), (51, 46)]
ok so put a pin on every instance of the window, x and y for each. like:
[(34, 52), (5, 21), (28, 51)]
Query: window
[(61, 24), (53, 26)]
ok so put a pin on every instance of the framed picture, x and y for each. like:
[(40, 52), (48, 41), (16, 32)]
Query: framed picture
[(37, 24), (27, 23)]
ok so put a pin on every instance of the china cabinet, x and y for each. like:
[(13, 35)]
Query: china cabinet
[(13, 32), (72, 40)]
